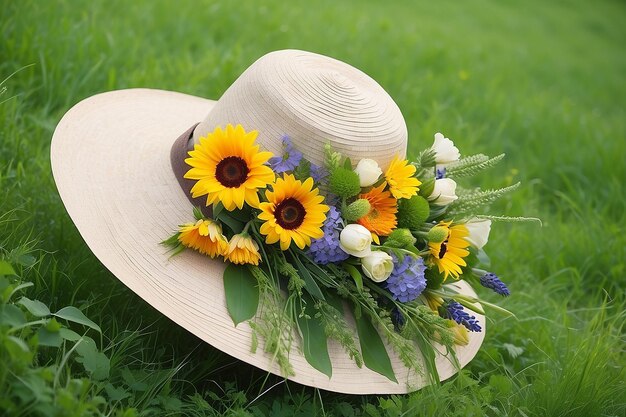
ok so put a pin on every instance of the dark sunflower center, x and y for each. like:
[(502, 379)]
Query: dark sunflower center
[(444, 246), (443, 249), (289, 213), (232, 171)]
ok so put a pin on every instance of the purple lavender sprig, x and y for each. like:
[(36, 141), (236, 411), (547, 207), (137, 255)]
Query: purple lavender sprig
[(454, 311), (491, 281)]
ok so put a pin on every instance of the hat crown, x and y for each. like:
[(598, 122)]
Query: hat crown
[(314, 100)]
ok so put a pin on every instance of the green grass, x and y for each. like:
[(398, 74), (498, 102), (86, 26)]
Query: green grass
[(543, 82)]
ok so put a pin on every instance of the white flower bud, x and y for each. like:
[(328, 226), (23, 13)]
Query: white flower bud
[(368, 172), (445, 151), (478, 232), (355, 240), (377, 266), (444, 192)]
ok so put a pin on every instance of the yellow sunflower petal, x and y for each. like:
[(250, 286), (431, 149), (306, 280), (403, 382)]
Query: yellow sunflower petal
[(197, 236), (448, 255), (226, 164)]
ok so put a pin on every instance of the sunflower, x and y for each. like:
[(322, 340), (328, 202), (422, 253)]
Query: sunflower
[(400, 176), (229, 168), (381, 219), (294, 211), (205, 236), (448, 255), (242, 249)]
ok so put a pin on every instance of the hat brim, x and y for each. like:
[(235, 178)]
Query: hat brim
[(110, 159)]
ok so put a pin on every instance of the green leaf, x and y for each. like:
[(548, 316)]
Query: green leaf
[(217, 209), (94, 361), (35, 307), (347, 163), (68, 334), (501, 383), (172, 242), (73, 314), (309, 282), (242, 293), (314, 342), (413, 250), (18, 350), (4, 284), (483, 258), (12, 315), (53, 326), (48, 338), (244, 215), (116, 394), (335, 301), (355, 274), (427, 187), (8, 293), (374, 353), (425, 347), (197, 213), (233, 224), (132, 382), (26, 260), (434, 279), (17, 343), (6, 268)]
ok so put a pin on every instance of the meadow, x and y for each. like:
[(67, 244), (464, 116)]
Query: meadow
[(541, 81)]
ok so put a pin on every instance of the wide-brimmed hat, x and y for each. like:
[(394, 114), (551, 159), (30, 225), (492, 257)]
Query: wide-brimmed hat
[(117, 159)]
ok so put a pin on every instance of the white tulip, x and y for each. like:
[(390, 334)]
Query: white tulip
[(478, 232), (368, 172), (355, 240), (377, 266), (445, 151), (444, 192)]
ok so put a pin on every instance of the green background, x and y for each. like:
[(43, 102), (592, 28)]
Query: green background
[(542, 81)]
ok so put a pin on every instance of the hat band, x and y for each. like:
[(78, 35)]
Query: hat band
[(178, 154)]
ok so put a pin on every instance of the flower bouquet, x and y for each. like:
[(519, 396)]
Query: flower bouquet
[(305, 244)]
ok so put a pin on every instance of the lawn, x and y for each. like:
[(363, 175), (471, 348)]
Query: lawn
[(542, 81)]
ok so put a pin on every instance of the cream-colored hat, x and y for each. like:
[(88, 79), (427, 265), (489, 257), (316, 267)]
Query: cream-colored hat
[(111, 163)]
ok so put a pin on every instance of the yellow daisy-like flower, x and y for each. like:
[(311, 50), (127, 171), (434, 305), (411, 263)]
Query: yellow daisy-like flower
[(381, 219), (229, 168), (433, 301), (448, 255), (205, 236), (242, 249), (294, 211), (400, 176)]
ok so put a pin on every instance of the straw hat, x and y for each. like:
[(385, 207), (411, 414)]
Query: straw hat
[(111, 162)]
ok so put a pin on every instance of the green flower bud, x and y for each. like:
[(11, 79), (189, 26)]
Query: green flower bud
[(356, 210), (437, 234), (400, 238), (332, 159), (344, 182), (413, 212), (427, 187)]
